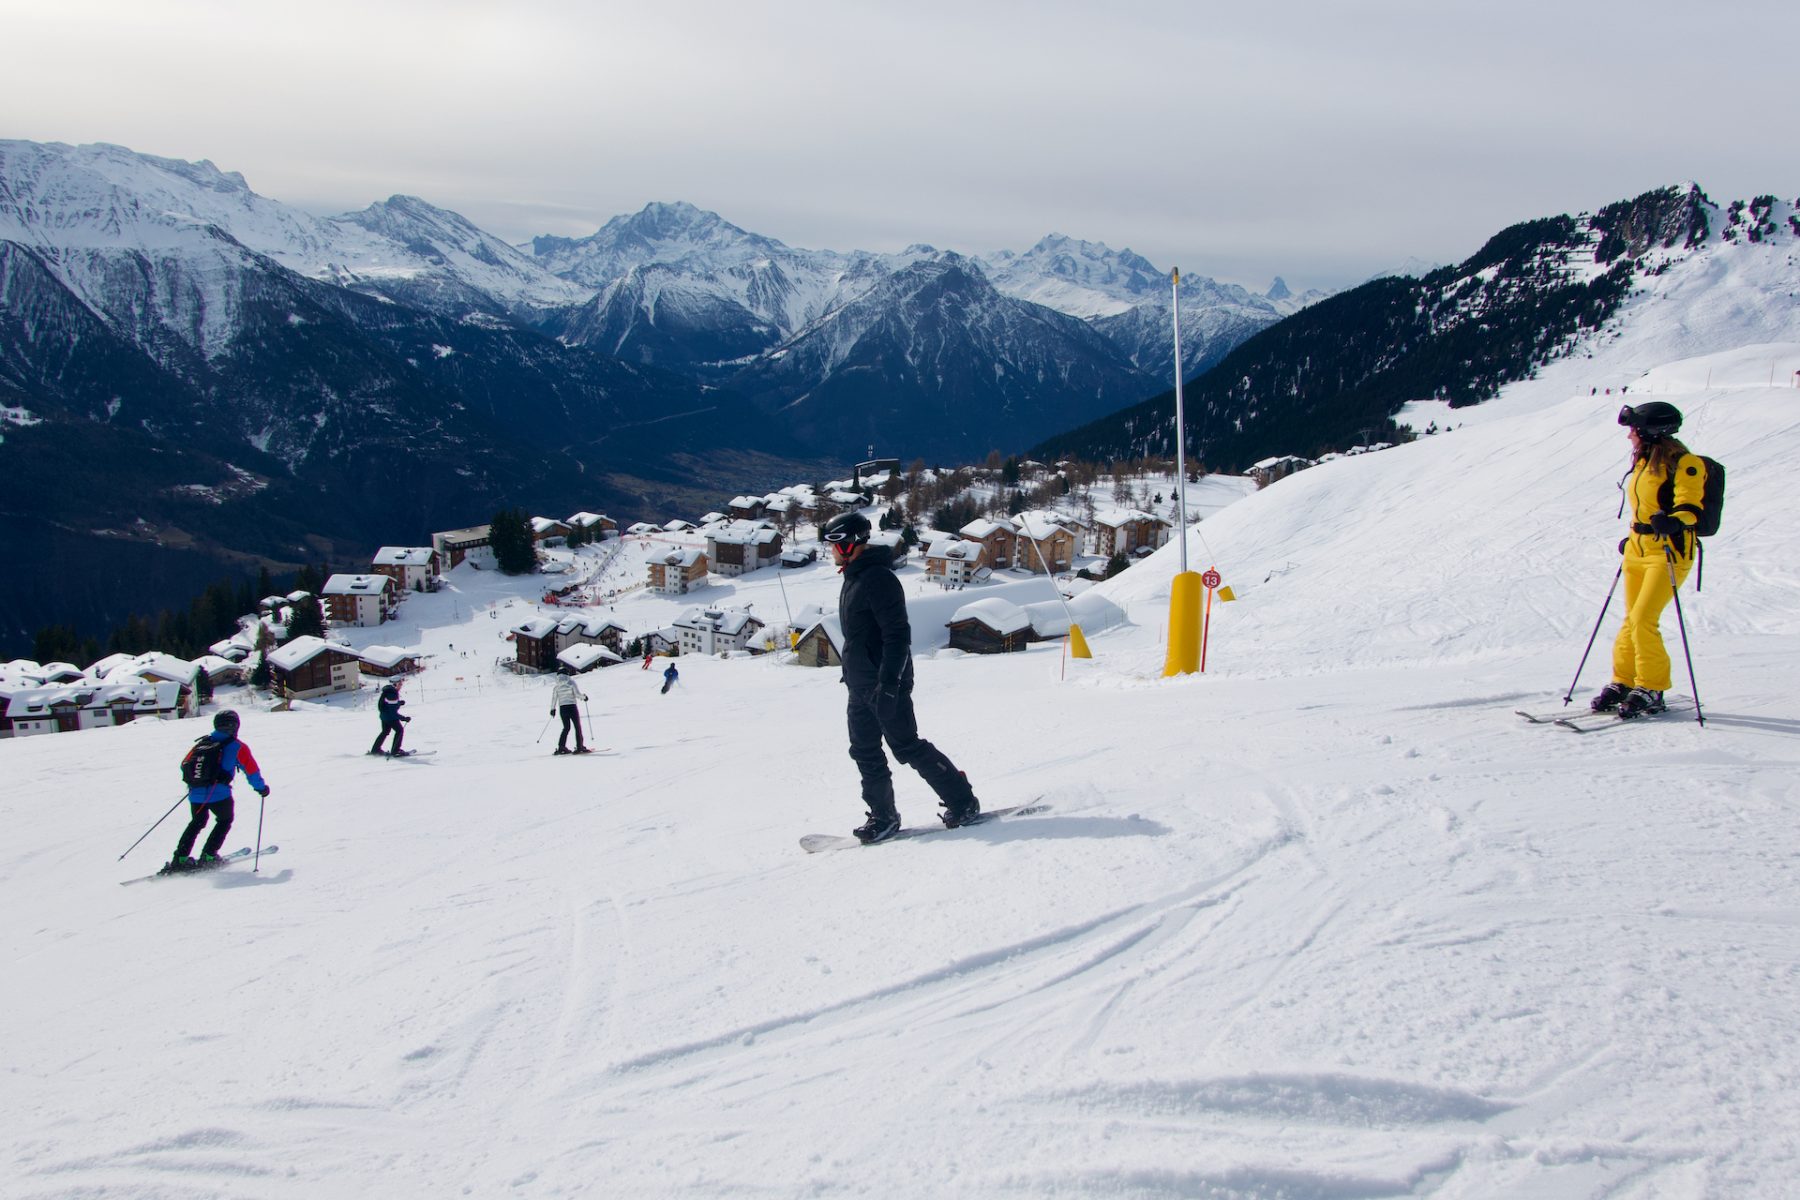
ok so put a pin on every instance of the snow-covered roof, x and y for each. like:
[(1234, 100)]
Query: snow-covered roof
[(156, 665), (230, 648), (1002, 616), (644, 527), (303, 650), (1115, 517), (473, 533), (537, 627), (951, 547), (585, 520), (357, 585), (711, 517), (844, 497), (981, 528), (214, 667), (1038, 525), (831, 627), (101, 668), (744, 533), (728, 621), (545, 524), (588, 626), (678, 525), (61, 672), (142, 695), (583, 655), (386, 656), (298, 595), (403, 556), (683, 558), (1276, 460)]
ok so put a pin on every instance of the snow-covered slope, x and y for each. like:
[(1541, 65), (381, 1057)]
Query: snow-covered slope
[(1325, 922)]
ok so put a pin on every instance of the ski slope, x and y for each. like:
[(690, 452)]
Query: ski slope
[(1327, 922)]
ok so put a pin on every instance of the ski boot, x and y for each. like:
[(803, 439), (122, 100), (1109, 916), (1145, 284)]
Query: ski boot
[(1641, 702), (561, 750), (877, 829), (1609, 698), (207, 862), (582, 750), (180, 864)]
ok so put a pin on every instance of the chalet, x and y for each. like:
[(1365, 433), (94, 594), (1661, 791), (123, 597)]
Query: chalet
[(644, 529), (714, 518), (310, 666), (712, 630), (600, 631), (156, 667), (535, 643), (410, 567), (219, 670), (387, 661), (678, 572), (548, 532), (742, 546), (1279, 467), (991, 626), (1042, 538), (587, 656), (360, 599), (821, 645), (1126, 530), (595, 525), (895, 541), (65, 708), (794, 557), (747, 508), (679, 526), (662, 641), (997, 539), (952, 561), (473, 545)]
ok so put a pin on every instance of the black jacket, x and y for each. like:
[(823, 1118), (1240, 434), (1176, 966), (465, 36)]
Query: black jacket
[(390, 705), (877, 636)]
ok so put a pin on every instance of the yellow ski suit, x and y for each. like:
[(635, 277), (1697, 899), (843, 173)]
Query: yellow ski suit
[(1639, 658)]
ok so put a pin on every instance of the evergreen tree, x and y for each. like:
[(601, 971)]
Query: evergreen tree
[(510, 536), (1117, 563), (307, 619), (260, 675)]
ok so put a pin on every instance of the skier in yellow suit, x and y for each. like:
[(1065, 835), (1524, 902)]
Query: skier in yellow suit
[(1665, 490)]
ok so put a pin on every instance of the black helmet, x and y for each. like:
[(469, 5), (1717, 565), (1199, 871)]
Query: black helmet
[(1654, 418), (846, 529), (226, 721)]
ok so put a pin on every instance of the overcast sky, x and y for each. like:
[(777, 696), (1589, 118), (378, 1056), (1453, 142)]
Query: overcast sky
[(1321, 140)]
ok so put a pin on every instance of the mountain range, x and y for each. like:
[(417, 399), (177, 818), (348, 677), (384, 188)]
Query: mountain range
[(208, 374)]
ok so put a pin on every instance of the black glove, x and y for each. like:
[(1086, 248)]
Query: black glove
[(264, 792), (887, 700), (406, 720), (1667, 525)]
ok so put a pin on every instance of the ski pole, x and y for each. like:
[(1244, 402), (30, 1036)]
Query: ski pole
[(1675, 594), (545, 729), (152, 829), (262, 804), (1590, 642)]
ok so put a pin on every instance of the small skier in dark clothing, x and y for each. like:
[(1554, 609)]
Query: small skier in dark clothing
[(212, 798), (562, 700), (390, 705), (670, 678), (878, 670)]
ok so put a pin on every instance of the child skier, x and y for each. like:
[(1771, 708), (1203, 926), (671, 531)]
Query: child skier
[(208, 770)]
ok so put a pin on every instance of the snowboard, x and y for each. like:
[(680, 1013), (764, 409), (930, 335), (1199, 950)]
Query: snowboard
[(241, 854), (814, 843)]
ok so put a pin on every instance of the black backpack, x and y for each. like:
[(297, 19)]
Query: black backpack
[(1712, 499), (204, 765)]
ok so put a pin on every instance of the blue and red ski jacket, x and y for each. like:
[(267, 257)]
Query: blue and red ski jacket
[(234, 758)]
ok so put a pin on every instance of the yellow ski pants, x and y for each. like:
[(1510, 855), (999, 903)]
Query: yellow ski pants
[(1639, 657)]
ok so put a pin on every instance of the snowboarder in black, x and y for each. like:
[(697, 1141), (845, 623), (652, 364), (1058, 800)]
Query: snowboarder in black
[(562, 700), (877, 654), (390, 705)]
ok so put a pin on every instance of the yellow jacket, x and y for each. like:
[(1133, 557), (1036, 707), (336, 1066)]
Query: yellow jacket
[(1645, 490)]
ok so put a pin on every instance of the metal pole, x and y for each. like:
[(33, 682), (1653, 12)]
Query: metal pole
[(152, 829), (1180, 418), (1675, 594), (262, 802), (1590, 646)]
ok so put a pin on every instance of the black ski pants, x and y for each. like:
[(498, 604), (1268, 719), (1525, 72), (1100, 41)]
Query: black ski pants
[(571, 720), (867, 729), (387, 727), (221, 811)]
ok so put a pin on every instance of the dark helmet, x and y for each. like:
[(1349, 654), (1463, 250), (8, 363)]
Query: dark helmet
[(226, 721), (1654, 418), (846, 529)]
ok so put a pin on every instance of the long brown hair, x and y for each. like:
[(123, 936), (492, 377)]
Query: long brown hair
[(1662, 453)]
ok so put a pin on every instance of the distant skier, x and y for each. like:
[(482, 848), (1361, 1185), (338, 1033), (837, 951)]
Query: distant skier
[(1658, 554), (877, 662), (648, 655), (208, 770), (562, 700), (390, 705), (670, 678)]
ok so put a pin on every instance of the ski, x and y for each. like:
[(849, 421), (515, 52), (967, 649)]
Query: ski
[(814, 843), (1583, 721), (225, 860), (406, 755), (1551, 717), (601, 750)]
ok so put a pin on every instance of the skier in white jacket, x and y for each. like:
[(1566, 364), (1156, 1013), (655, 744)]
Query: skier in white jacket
[(563, 698)]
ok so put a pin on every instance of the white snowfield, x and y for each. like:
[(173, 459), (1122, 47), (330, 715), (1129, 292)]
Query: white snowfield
[(1328, 922)]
